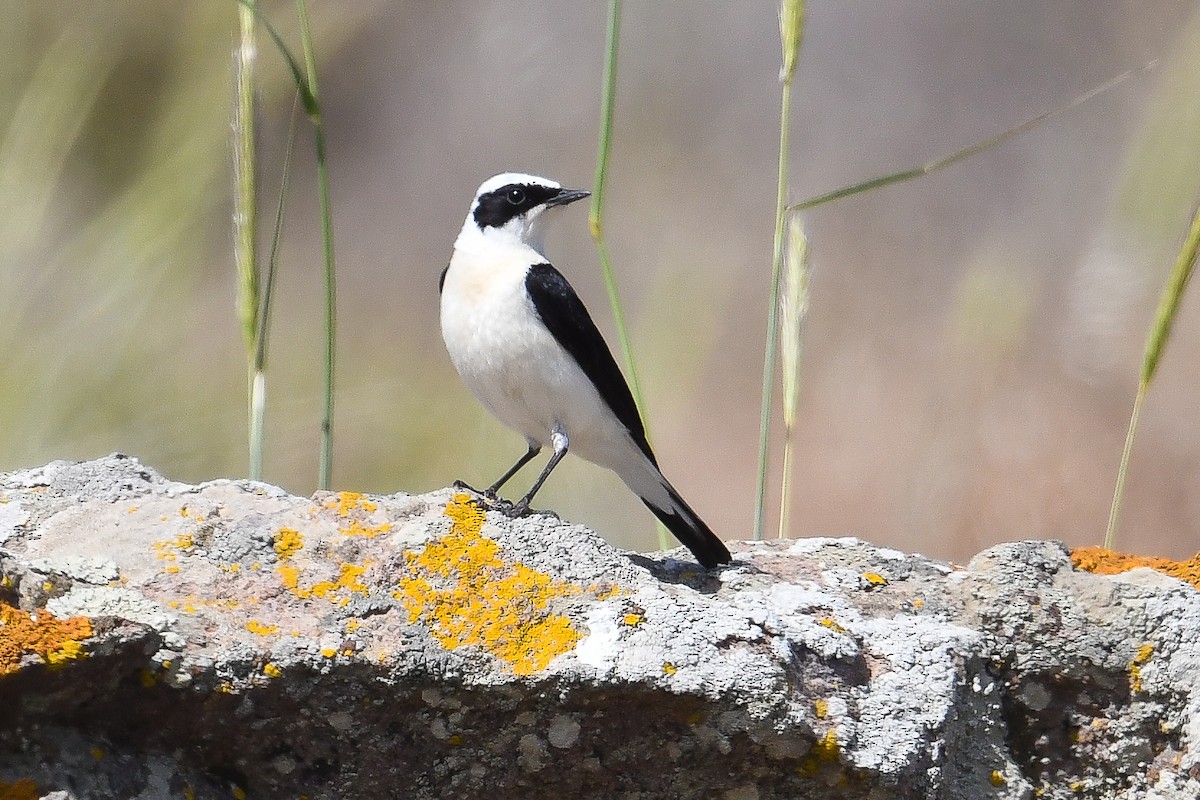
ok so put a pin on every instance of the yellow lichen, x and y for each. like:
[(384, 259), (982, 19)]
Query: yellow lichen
[(55, 641), (272, 670), (262, 629), (669, 669), (290, 576), (168, 550), (826, 748), (830, 623), (344, 588), (821, 707), (357, 528), (287, 542), (1135, 666), (328, 652), (23, 789), (633, 620), (875, 579), (468, 595), (998, 778), (824, 751), (352, 625), (455, 740), (97, 753), (346, 502)]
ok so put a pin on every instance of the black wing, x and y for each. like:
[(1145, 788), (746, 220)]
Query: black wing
[(565, 316)]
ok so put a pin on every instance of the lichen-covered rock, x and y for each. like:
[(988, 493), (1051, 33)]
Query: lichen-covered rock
[(226, 640)]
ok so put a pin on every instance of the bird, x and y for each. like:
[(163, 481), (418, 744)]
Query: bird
[(525, 345)]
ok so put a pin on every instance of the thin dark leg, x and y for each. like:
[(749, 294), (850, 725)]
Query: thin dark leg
[(558, 438), (490, 492)]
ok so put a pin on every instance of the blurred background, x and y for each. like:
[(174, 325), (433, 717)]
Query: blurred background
[(974, 338)]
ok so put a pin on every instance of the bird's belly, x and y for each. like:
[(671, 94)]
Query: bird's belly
[(520, 373)]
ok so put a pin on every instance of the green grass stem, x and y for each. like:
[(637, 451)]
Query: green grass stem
[(314, 114), (258, 393), (972, 150), (791, 34), (1160, 334), (245, 223), (596, 220), (793, 311)]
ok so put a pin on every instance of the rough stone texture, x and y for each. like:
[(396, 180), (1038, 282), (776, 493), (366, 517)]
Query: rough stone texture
[(240, 642)]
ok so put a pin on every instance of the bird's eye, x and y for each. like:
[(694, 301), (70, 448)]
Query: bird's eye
[(516, 196)]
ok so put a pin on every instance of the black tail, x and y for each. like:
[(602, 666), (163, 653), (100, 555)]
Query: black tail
[(690, 530)]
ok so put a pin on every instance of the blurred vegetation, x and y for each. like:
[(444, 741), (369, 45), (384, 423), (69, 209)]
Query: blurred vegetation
[(973, 338)]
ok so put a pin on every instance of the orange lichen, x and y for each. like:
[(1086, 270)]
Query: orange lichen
[(23, 789), (1110, 562), (468, 595), (55, 641)]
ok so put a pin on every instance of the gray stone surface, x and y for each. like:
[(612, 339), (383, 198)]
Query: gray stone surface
[(245, 642)]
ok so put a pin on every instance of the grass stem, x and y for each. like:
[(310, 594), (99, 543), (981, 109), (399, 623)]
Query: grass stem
[(314, 113), (596, 220), (1156, 343), (972, 150), (791, 34), (245, 221)]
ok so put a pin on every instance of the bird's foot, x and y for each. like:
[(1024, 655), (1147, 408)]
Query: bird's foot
[(517, 509), (488, 494)]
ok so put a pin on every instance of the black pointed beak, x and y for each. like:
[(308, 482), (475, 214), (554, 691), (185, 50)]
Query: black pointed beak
[(567, 196)]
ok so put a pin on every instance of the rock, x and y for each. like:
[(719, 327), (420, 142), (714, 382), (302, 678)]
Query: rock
[(230, 640)]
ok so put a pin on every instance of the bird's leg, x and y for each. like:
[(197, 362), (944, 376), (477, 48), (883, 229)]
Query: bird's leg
[(558, 439), (490, 492)]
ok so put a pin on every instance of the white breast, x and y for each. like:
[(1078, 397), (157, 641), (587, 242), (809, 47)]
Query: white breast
[(513, 364)]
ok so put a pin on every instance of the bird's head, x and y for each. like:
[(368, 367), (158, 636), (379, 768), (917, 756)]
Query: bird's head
[(512, 205)]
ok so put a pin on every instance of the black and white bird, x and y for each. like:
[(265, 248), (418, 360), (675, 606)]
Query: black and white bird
[(528, 350)]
